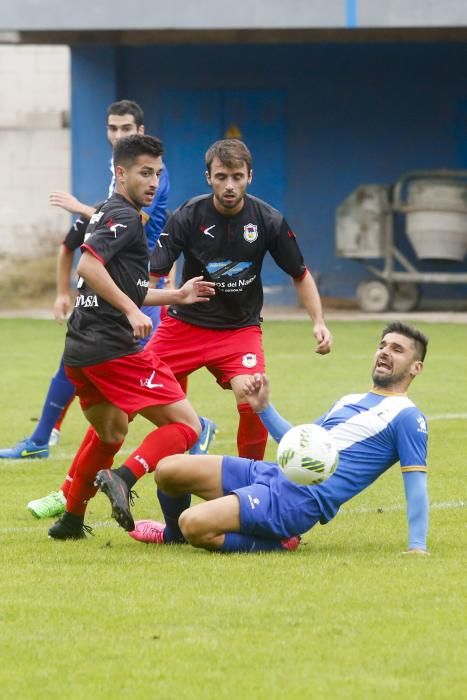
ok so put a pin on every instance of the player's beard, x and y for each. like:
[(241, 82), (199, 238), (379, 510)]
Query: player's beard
[(230, 203), (386, 381)]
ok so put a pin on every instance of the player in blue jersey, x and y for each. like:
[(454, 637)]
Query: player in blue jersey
[(251, 506)]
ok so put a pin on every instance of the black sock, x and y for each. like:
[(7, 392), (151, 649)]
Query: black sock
[(73, 520), (172, 507), (127, 476)]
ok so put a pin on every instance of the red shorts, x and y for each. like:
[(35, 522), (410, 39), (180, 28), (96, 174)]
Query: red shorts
[(131, 383), (225, 353)]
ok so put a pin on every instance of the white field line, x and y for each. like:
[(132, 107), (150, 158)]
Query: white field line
[(47, 522), (448, 416), (402, 506), (103, 524)]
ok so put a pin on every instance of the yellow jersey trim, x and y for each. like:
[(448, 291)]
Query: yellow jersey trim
[(414, 469)]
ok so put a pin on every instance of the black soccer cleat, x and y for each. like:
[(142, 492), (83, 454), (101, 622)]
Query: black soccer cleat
[(119, 495), (69, 527)]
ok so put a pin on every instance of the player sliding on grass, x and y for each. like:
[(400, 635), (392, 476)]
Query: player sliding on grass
[(115, 378), (252, 507)]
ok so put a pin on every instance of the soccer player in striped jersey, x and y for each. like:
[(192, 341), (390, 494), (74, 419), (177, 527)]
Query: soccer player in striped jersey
[(251, 506)]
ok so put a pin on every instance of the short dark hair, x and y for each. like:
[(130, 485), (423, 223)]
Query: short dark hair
[(127, 107), (420, 340), (128, 149), (231, 152)]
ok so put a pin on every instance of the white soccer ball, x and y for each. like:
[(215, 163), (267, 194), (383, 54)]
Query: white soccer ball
[(307, 454)]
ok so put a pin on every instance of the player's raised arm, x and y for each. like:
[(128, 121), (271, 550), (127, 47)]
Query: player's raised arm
[(256, 389), (70, 203)]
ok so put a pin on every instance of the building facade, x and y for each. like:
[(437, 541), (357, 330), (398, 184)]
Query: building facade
[(327, 97)]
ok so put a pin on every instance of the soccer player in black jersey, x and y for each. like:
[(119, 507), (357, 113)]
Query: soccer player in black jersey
[(225, 236), (114, 377)]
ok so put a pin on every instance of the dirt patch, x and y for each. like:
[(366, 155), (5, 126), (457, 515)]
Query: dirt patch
[(27, 282)]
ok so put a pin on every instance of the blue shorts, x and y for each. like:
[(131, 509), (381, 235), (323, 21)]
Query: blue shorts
[(270, 504)]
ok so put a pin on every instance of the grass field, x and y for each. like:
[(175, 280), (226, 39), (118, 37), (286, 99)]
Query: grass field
[(346, 616)]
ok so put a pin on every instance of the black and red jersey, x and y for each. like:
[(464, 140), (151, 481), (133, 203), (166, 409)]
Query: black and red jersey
[(75, 236), (97, 331), (230, 252)]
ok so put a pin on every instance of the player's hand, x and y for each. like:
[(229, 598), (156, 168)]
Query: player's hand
[(323, 338), (195, 290), (417, 550), (256, 390), (66, 201), (141, 324), (61, 307)]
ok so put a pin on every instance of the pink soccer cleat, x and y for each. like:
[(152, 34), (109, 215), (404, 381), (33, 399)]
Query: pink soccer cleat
[(290, 543), (148, 531)]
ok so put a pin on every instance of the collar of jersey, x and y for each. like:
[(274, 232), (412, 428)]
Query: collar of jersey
[(380, 392)]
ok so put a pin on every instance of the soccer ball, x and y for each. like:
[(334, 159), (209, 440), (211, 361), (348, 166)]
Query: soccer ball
[(307, 454)]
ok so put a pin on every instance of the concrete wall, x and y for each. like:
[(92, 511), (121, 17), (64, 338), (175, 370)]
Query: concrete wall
[(34, 146)]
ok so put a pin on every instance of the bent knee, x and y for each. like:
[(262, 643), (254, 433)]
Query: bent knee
[(112, 435), (192, 528), (166, 470)]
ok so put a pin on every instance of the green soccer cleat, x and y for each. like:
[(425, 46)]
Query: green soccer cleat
[(48, 507)]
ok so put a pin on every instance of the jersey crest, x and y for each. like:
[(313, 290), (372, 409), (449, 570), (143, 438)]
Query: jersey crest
[(250, 233)]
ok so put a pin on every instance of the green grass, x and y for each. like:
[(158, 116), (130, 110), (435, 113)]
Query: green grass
[(347, 616)]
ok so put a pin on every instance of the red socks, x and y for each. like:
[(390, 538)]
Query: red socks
[(171, 439), (252, 436), (65, 487), (93, 456)]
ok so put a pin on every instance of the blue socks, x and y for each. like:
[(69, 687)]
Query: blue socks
[(172, 508), (235, 542), (61, 390)]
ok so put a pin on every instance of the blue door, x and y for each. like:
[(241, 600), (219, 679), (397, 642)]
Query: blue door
[(191, 120)]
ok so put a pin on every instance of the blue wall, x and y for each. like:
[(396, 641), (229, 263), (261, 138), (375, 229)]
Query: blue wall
[(351, 114)]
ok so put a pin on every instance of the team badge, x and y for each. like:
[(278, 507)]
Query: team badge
[(249, 360), (250, 233)]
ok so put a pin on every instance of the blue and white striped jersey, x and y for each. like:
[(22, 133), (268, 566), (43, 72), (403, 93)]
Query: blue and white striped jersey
[(372, 431)]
